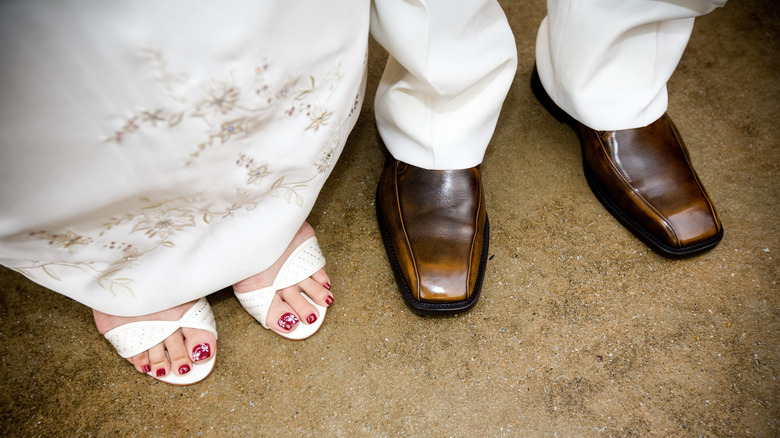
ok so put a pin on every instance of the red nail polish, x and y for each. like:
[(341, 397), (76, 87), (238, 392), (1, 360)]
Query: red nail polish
[(287, 321), (326, 286), (146, 369), (201, 352), (161, 372), (311, 318), (184, 369), (329, 300)]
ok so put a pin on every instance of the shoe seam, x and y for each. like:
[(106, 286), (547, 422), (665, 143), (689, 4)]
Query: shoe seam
[(407, 243), (474, 240), (636, 192), (687, 156)]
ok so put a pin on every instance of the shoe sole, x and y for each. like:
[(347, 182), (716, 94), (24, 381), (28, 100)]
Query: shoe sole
[(198, 373), (421, 307), (606, 200)]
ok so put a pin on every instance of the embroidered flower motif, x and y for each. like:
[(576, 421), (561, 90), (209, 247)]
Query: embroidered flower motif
[(164, 223), (128, 258), (326, 158), (131, 254), (229, 129), (230, 211), (323, 164), (220, 97), (319, 119), (255, 172), (69, 240), (134, 123), (153, 116)]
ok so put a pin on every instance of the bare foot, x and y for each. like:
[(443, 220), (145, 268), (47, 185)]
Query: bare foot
[(289, 307), (185, 346)]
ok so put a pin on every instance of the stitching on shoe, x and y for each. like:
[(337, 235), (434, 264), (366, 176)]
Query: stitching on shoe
[(636, 192)]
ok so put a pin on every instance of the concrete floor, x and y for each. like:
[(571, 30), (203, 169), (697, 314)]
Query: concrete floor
[(581, 331)]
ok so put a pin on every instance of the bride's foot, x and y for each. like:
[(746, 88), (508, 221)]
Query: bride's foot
[(289, 307), (185, 346)]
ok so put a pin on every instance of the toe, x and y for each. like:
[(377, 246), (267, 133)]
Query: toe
[(142, 362), (316, 291), (299, 304), (177, 351), (158, 360), (281, 317), (322, 278), (200, 344)]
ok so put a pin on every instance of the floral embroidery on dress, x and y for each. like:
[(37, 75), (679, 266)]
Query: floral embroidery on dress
[(228, 112), (164, 223), (104, 278), (68, 240), (220, 97)]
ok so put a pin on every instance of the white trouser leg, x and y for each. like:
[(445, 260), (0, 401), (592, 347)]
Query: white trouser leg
[(450, 67), (606, 62)]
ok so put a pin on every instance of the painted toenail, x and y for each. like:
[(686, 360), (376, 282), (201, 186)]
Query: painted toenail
[(329, 300), (201, 352), (287, 321), (146, 369), (311, 318), (184, 369), (326, 286), (161, 372)]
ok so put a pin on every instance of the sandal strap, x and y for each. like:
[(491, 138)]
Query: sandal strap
[(137, 337), (304, 261)]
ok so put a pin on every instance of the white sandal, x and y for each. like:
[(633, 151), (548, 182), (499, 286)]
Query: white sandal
[(137, 337), (306, 260)]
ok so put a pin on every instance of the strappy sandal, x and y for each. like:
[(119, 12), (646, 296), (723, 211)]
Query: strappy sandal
[(137, 337), (304, 261)]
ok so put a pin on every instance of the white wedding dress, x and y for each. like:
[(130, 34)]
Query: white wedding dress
[(153, 152)]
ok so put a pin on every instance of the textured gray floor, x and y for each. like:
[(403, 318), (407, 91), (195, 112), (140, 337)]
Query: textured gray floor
[(581, 330)]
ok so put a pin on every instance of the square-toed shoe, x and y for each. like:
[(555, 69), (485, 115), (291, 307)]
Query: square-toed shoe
[(645, 179), (435, 230)]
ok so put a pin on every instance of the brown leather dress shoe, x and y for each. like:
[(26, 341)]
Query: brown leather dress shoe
[(645, 178), (436, 233)]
